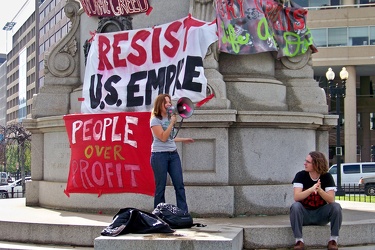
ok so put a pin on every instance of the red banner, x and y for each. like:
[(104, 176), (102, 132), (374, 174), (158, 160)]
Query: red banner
[(110, 8), (110, 153)]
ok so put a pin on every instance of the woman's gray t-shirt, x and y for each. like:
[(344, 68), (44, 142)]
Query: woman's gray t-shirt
[(158, 145)]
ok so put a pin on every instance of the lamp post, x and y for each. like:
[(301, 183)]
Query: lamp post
[(8, 27), (337, 91), (3, 142)]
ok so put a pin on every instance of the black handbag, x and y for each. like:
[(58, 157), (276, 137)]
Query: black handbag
[(174, 216), (132, 220)]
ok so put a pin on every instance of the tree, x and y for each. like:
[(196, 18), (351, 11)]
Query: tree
[(17, 140)]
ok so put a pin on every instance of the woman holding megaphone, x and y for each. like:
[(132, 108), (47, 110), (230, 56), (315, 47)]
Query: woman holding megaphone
[(164, 156)]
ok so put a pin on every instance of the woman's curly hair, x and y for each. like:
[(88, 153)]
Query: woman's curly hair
[(319, 162), (158, 105)]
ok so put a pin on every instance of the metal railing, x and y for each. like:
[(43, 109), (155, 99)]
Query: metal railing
[(355, 193), (325, 7), (352, 193), (12, 194)]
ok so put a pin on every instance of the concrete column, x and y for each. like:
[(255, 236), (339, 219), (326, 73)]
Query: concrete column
[(366, 139), (348, 2), (350, 115)]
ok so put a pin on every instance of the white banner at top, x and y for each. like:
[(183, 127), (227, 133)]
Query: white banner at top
[(126, 70)]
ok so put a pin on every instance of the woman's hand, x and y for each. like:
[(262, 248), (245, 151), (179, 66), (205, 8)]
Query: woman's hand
[(173, 119), (184, 140), (188, 140)]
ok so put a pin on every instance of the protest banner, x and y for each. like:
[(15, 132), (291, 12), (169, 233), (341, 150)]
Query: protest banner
[(109, 8), (256, 26), (126, 70), (110, 153)]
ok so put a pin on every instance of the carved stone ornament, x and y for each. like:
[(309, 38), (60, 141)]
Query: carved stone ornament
[(110, 24), (63, 59), (296, 62), (113, 24)]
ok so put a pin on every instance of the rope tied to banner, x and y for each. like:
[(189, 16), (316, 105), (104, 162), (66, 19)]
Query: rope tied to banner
[(205, 100)]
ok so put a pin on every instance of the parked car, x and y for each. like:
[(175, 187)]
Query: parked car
[(3, 178), (368, 183), (352, 172), (13, 190)]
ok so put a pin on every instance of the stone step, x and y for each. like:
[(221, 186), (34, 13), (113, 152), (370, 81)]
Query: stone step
[(239, 236), (36, 225), (207, 238)]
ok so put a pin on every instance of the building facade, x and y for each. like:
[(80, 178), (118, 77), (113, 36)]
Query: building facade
[(3, 91), (344, 32), (25, 61), (52, 25), (21, 63)]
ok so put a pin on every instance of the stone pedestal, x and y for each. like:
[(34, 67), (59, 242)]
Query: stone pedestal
[(250, 139)]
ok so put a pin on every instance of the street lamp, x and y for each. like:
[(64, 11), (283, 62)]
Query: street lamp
[(3, 138), (8, 27), (337, 91)]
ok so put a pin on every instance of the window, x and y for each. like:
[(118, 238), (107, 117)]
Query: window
[(333, 170), (41, 65), (58, 36), (41, 82), (317, 3), (372, 35), (41, 48), (302, 3), (368, 168), (358, 36), (319, 37), (351, 169), (337, 37)]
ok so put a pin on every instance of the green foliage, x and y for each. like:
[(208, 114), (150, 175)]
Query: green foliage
[(12, 153), (17, 148)]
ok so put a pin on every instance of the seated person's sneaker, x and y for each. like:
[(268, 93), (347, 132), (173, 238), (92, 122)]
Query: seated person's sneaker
[(299, 246), (332, 245)]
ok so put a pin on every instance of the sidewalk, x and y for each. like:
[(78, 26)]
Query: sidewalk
[(23, 246)]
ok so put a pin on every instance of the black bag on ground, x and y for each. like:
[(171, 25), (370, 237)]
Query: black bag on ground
[(174, 216), (132, 220)]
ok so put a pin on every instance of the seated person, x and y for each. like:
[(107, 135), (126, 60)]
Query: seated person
[(314, 195)]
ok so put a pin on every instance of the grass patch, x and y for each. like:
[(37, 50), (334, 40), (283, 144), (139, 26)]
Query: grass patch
[(360, 198)]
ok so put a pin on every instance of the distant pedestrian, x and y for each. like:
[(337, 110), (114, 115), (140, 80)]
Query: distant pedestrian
[(314, 195)]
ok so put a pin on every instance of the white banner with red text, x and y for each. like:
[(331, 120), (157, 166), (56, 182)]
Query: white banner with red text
[(126, 70)]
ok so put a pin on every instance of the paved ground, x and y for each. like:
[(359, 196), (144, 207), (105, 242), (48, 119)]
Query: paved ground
[(21, 246), (15, 210)]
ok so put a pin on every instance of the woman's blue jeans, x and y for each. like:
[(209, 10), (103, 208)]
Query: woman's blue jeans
[(164, 163)]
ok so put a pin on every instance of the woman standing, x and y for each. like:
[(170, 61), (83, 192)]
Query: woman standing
[(164, 156)]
